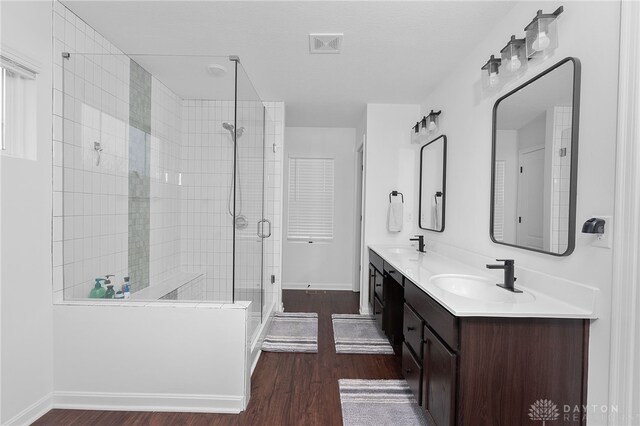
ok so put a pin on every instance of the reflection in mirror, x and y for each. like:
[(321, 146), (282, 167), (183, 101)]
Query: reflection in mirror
[(535, 162), (433, 161)]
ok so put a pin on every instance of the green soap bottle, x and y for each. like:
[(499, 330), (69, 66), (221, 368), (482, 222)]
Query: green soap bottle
[(97, 292), (110, 293)]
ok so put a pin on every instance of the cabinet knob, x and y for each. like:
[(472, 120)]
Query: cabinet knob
[(408, 370), (378, 285), (410, 328)]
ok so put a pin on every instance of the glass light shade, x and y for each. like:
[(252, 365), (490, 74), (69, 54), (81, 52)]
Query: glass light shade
[(432, 122), (491, 79), (542, 34), (415, 133), (514, 57), (424, 133)]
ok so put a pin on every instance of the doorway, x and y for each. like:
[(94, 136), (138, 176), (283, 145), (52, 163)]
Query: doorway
[(530, 222)]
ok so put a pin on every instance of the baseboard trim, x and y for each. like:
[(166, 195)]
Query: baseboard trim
[(148, 402), (32, 412), (317, 286)]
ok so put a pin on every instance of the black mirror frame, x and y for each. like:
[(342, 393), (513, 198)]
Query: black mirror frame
[(444, 184), (575, 125)]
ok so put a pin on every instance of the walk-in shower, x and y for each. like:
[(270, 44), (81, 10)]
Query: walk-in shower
[(174, 202)]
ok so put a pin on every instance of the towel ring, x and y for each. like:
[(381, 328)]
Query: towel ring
[(395, 194)]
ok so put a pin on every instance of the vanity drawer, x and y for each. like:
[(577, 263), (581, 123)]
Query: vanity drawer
[(376, 261), (412, 372), (413, 330), (391, 272), (377, 312), (437, 318)]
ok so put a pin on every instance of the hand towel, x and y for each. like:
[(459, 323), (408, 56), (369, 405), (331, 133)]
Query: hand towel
[(396, 214)]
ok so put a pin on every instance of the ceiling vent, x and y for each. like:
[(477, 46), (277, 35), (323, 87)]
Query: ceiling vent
[(325, 43)]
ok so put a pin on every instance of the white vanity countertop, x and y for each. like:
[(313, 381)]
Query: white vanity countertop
[(420, 267)]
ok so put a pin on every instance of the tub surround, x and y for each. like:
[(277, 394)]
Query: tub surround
[(579, 302)]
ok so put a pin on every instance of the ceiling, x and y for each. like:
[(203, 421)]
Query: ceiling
[(393, 51)]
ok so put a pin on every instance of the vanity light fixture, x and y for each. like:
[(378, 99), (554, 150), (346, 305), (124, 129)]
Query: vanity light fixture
[(432, 122), (425, 128), (514, 56), (490, 77), (541, 33)]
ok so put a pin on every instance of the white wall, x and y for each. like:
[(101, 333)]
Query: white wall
[(390, 164), (323, 265), (466, 120), (159, 357), (26, 376)]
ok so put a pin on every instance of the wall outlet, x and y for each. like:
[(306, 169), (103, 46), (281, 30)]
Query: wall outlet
[(604, 240)]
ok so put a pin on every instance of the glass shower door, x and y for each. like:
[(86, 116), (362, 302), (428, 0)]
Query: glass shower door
[(250, 227)]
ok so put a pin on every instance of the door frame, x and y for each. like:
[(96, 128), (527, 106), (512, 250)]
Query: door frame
[(358, 217), (624, 388)]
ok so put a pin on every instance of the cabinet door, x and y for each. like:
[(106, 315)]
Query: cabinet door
[(393, 311), (378, 286), (438, 381), (377, 313), (372, 279), (412, 372)]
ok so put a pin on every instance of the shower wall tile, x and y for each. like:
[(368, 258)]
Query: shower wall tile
[(90, 104), (139, 97), (560, 171), (207, 169), (274, 135), (166, 177)]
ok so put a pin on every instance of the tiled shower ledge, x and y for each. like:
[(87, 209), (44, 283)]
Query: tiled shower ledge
[(155, 303), (150, 296), (175, 281)]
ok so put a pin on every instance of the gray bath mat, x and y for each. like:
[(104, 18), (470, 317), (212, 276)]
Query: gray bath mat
[(359, 334), (292, 332), (378, 402)]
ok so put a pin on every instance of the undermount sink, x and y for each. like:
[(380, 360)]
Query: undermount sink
[(478, 288)]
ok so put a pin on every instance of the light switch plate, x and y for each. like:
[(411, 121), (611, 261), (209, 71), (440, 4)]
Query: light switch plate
[(604, 240)]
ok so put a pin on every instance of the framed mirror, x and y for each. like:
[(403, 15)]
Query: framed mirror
[(534, 162), (433, 173)]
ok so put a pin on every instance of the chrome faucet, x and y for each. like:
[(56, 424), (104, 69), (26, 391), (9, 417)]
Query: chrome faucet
[(509, 279), (420, 240)]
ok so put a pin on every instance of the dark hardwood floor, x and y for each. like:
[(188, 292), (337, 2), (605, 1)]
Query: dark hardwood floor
[(286, 388)]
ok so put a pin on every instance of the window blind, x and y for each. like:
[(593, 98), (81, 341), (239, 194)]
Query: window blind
[(311, 196)]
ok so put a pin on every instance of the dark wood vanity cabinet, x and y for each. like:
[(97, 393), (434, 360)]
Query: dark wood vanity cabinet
[(489, 371), (476, 371)]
